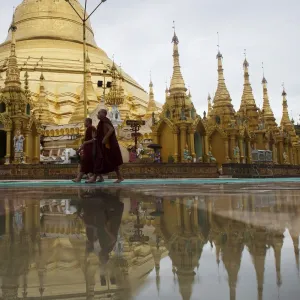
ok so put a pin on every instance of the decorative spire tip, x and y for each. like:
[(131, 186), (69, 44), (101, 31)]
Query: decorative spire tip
[(245, 64), (175, 38), (283, 90), (264, 80)]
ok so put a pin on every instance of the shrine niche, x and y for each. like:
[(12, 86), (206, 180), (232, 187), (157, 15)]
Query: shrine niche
[(199, 140)]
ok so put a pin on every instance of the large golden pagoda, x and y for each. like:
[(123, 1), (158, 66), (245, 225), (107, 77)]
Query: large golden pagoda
[(49, 57), (49, 41)]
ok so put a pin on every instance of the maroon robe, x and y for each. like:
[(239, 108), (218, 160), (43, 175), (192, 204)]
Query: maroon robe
[(87, 160), (108, 159)]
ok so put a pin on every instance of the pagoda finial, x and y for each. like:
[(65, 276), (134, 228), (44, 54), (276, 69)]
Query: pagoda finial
[(177, 82), (222, 97), (175, 38), (209, 105), (190, 95), (285, 120), (218, 45), (264, 81), (150, 79), (268, 113), (247, 97), (283, 90), (245, 64), (13, 72), (151, 93)]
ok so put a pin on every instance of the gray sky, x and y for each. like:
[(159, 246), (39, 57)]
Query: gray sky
[(139, 33)]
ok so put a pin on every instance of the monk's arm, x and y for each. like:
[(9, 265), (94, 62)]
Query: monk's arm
[(88, 142), (109, 131)]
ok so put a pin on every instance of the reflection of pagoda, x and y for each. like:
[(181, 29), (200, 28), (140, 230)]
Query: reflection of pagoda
[(180, 227), (229, 245), (257, 242)]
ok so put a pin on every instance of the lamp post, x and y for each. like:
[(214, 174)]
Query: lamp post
[(135, 126), (84, 19)]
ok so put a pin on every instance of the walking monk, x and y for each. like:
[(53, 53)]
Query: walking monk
[(87, 159), (108, 153)]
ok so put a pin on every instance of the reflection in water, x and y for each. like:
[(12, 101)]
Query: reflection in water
[(117, 244)]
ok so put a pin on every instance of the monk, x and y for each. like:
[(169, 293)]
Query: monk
[(108, 153), (87, 148)]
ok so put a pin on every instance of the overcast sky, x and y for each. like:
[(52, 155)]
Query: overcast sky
[(139, 33)]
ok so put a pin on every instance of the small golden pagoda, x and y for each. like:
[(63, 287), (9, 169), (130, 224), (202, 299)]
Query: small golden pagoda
[(288, 140), (152, 109), (221, 119), (20, 131), (178, 123)]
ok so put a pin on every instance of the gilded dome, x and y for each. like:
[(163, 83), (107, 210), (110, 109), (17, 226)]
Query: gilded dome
[(51, 19), (49, 42)]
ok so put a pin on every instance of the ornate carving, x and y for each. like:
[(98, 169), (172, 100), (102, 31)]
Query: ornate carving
[(6, 120)]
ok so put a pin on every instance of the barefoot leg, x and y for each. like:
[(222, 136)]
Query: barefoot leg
[(119, 176), (78, 178), (92, 179), (101, 179)]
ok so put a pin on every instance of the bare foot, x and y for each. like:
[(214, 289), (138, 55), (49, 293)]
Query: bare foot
[(76, 180), (119, 180), (91, 181), (101, 179)]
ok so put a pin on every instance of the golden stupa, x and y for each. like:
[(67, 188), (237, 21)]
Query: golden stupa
[(49, 47)]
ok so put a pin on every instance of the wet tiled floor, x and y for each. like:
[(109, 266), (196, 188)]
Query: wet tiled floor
[(190, 239)]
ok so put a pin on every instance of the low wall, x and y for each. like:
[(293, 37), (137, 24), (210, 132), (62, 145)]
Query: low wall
[(129, 170), (260, 170)]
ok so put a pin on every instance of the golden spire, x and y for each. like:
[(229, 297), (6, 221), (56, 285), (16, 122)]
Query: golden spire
[(266, 103), (13, 72), (189, 94), (177, 82), (285, 120), (209, 105), (166, 90), (151, 94), (222, 97), (152, 108), (248, 101)]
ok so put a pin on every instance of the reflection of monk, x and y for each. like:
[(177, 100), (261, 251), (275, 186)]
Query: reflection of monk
[(102, 214)]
